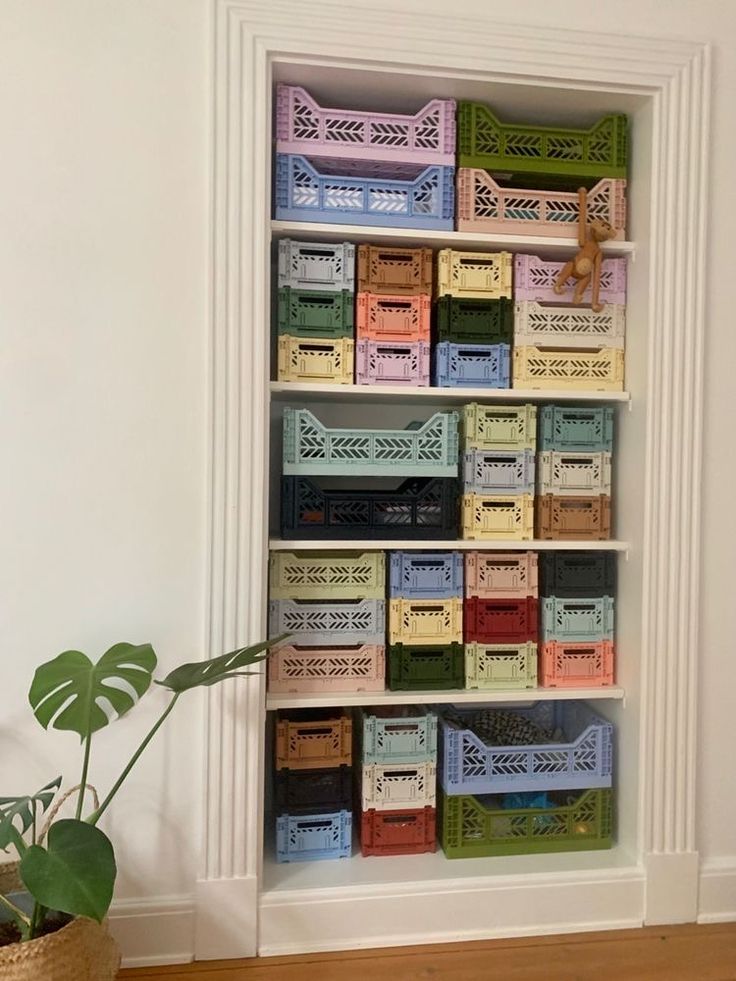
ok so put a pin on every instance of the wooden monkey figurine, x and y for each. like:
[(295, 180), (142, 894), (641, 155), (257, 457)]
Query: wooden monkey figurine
[(586, 266)]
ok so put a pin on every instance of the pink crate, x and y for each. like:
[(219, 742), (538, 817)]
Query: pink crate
[(501, 575), (303, 126), (576, 665), (383, 317), (392, 363), (321, 669), (535, 277), (485, 206)]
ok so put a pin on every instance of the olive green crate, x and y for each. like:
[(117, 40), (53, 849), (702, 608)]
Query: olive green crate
[(462, 321)]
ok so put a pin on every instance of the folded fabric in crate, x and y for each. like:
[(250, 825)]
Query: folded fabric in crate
[(501, 728)]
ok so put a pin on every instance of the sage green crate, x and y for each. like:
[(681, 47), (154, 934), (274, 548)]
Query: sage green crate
[(316, 313)]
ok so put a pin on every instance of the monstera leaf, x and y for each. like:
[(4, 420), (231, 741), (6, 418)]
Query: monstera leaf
[(200, 674), (70, 691), (17, 814)]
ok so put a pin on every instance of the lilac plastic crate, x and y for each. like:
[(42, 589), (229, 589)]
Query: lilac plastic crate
[(424, 137), (534, 279), (471, 365), (391, 363)]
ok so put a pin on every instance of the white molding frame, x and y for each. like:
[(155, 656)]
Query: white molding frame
[(676, 76)]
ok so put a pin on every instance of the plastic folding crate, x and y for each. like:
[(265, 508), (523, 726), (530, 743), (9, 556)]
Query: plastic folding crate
[(404, 832), (565, 665), (534, 279), (485, 206), (358, 193), (498, 427), (586, 620), (501, 517), (480, 827), (386, 317), (420, 508), (392, 363), (577, 755), (297, 669), (575, 574), (315, 360), (474, 275), (501, 667), (303, 126), (425, 621), (316, 266), (398, 786), (314, 837), (397, 734), (579, 474), (426, 667), (568, 326), (489, 144), (422, 449), (501, 575), (315, 313), (576, 429), (471, 365), (308, 739), (501, 621), (313, 791), (463, 321), (396, 271), (339, 575), (425, 575), (323, 624), (582, 369), (568, 518), (498, 472)]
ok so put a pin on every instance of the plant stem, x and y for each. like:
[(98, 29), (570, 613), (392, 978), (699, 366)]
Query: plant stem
[(96, 815), (39, 915), (83, 781), (18, 915)]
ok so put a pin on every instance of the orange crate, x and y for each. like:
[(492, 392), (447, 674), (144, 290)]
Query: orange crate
[(385, 269), (310, 738), (567, 518), (576, 665), (401, 832), (393, 317)]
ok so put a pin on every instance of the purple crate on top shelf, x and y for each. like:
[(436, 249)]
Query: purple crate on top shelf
[(392, 363), (534, 279)]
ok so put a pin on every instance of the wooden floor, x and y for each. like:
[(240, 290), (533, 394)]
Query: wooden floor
[(687, 953)]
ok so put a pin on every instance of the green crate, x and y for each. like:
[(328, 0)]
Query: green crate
[(478, 827), (315, 313), (429, 667), (462, 321), (485, 142)]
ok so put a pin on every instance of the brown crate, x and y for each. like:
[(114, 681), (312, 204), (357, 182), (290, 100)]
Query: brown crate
[(384, 269), (311, 738), (564, 518)]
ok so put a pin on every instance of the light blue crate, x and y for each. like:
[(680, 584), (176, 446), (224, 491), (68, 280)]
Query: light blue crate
[(328, 624), (364, 193), (471, 365), (576, 428), (398, 734), (422, 449), (498, 472), (313, 837), (587, 620), (325, 266), (425, 575)]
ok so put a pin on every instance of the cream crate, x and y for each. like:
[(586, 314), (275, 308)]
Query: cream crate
[(568, 326), (577, 474), (498, 518), (311, 359), (584, 370), (474, 275), (392, 786), (425, 621)]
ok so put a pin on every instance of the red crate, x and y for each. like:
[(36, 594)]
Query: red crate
[(403, 832), (501, 621)]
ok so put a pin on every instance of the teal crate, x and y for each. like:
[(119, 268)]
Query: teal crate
[(587, 620), (397, 734), (576, 428), (315, 313)]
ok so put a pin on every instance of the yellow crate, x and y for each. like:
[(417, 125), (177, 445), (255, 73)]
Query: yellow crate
[(425, 621), (314, 359), (498, 517), (581, 369), (498, 427), (474, 275)]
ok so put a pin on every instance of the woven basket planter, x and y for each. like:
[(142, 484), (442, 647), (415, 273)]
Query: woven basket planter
[(81, 951)]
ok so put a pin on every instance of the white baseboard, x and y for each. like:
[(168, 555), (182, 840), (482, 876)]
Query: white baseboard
[(717, 894), (152, 932)]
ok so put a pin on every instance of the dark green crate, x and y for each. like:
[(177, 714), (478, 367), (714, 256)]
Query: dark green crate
[(426, 668), (315, 313), (478, 827), (485, 142), (464, 321)]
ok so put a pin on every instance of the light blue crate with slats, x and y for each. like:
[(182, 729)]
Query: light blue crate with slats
[(471, 365), (398, 734), (576, 428), (325, 266), (313, 837), (498, 472), (328, 624), (578, 620), (425, 575)]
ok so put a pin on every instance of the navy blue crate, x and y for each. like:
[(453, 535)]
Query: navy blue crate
[(577, 574), (313, 837), (471, 365), (313, 791), (426, 575)]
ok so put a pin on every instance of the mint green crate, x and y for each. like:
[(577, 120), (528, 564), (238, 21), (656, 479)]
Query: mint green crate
[(315, 313)]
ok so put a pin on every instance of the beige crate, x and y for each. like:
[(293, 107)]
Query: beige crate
[(311, 359), (425, 621), (474, 275), (498, 518), (581, 369)]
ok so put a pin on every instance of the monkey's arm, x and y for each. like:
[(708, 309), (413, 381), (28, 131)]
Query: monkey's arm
[(596, 288), (582, 216)]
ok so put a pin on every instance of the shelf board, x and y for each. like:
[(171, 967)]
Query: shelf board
[(443, 545), (318, 392), (319, 232), (450, 697)]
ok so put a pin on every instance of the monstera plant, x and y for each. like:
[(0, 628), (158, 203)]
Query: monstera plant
[(70, 868)]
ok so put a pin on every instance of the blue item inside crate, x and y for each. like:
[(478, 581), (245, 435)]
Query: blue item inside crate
[(576, 428), (511, 802), (578, 620), (471, 365), (313, 837), (498, 472), (425, 575)]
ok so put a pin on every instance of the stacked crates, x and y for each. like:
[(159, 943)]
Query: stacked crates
[(498, 447), (396, 784)]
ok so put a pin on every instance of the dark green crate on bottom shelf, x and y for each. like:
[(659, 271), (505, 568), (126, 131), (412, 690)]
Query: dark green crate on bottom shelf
[(315, 313), (479, 827), (426, 668), (462, 321)]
